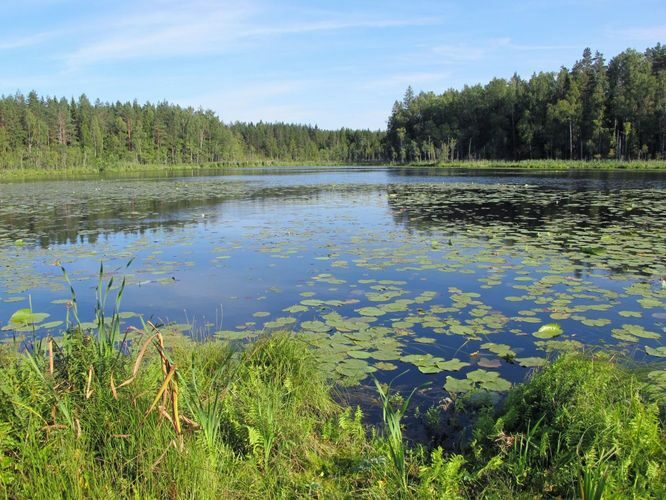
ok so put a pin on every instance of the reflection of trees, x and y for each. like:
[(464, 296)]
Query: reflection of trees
[(446, 206), (574, 179), (569, 221), (87, 221), (61, 216)]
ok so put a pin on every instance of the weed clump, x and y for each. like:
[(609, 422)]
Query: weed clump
[(581, 427)]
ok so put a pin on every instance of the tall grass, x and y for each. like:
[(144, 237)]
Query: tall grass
[(392, 415)]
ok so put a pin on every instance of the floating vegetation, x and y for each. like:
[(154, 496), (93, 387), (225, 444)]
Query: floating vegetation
[(477, 379), (377, 270), (548, 331)]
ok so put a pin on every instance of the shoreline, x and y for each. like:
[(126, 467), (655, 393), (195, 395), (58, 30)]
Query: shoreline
[(121, 168)]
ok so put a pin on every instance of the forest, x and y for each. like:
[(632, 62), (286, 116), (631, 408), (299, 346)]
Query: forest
[(51, 133), (592, 111)]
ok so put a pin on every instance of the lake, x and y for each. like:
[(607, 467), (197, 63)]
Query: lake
[(466, 278)]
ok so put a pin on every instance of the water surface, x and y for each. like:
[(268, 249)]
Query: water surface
[(448, 273)]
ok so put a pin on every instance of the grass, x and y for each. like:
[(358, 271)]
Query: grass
[(127, 168), (78, 419), (581, 427), (391, 416), (558, 164), (252, 423)]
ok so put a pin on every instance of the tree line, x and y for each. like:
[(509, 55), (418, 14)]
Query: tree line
[(47, 132), (592, 111)]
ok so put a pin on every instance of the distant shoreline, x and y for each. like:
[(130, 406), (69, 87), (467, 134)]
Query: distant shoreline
[(123, 167)]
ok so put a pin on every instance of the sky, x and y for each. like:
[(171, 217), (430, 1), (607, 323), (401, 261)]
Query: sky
[(336, 63)]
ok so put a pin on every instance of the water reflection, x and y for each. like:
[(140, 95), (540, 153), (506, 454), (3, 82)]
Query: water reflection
[(474, 256)]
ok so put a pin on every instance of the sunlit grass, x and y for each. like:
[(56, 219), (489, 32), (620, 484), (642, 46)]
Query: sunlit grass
[(559, 164)]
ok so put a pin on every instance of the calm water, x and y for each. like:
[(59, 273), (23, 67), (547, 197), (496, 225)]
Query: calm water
[(450, 274)]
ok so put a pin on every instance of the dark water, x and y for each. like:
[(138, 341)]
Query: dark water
[(389, 269)]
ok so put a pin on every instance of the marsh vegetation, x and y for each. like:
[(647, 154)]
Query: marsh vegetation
[(260, 307), (207, 420)]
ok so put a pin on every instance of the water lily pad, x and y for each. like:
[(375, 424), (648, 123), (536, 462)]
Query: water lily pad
[(490, 381), (489, 363), (548, 331), (385, 355), (128, 315), (531, 362), (50, 324), (650, 303), (371, 311), (384, 366), (630, 314), (359, 354), (315, 326), (295, 309), (312, 302), (502, 350), (25, 316), (455, 386), (429, 369), (355, 368), (279, 323), (452, 365), (659, 352), (596, 322)]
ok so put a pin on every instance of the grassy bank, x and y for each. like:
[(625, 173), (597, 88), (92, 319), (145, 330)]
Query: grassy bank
[(121, 168), (127, 168), (556, 164), (79, 419)]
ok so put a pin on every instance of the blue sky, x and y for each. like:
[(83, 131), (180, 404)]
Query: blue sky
[(331, 63)]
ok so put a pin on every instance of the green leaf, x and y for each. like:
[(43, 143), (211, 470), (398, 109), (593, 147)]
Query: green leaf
[(548, 331), (659, 352), (452, 365), (531, 362), (371, 311), (455, 385), (25, 316)]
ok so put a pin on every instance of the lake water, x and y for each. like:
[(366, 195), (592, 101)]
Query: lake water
[(451, 274)]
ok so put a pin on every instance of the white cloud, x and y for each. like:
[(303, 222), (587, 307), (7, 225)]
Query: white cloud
[(462, 52), (651, 34), (198, 28), (176, 30), (339, 24), (399, 81), (25, 41)]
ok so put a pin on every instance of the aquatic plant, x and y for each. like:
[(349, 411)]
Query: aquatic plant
[(392, 415)]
